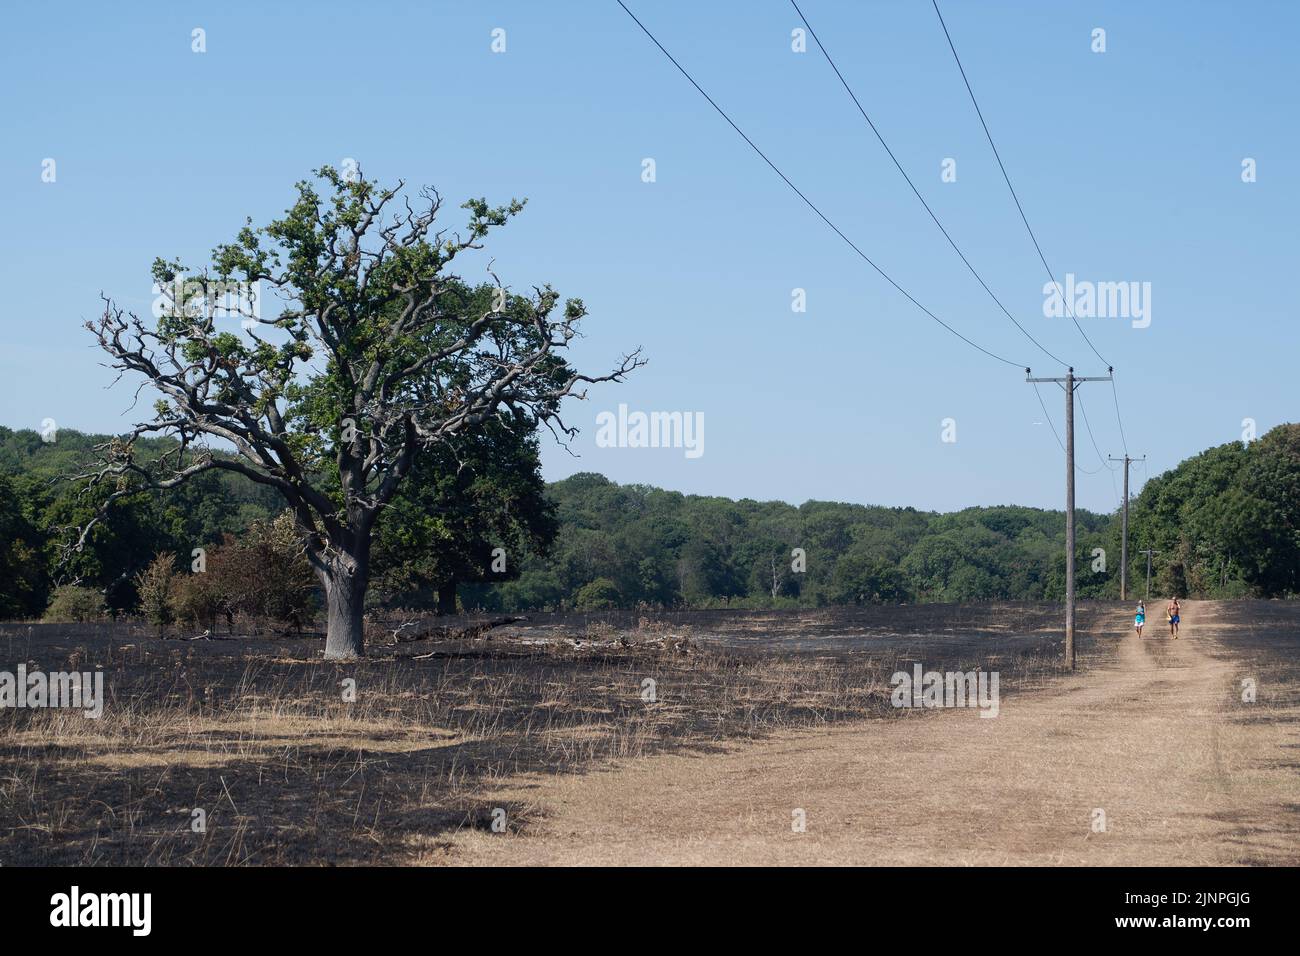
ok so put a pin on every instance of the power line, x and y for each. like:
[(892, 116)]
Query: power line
[(1105, 461), (1069, 384), (1025, 219), (853, 96), (1057, 435), (811, 205), (808, 202), (1115, 394), (1091, 437), (1001, 166), (899, 166)]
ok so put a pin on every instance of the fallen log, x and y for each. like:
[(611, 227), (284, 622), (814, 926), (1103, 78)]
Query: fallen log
[(429, 631)]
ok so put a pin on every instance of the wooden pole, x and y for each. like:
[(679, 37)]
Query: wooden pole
[(1123, 548), (1123, 566), (1069, 520), (1069, 384), (1148, 552)]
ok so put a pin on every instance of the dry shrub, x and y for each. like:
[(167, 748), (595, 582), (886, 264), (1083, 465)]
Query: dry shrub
[(196, 600), (261, 575), (155, 585), (72, 604)]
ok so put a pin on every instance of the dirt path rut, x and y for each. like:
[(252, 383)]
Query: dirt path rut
[(1157, 740)]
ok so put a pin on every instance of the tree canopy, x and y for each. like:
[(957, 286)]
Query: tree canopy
[(375, 353), (1227, 521)]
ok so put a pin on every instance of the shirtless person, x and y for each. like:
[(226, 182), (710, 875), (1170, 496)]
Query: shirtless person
[(1172, 611)]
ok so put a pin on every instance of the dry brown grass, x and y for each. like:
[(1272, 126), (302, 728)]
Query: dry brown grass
[(1152, 733), (287, 771)]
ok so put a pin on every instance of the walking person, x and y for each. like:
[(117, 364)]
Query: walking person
[(1173, 613), (1140, 618)]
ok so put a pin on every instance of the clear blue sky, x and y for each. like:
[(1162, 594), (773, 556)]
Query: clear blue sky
[(1128, 163)]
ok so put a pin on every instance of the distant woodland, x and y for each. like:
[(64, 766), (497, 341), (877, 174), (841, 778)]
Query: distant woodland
[(488, 533)]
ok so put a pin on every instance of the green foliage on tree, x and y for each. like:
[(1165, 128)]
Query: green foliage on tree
[(598, 595), (44, 505), (1226, 522), (23, 575), (861, 577), (372, 353), (469, 513), (72, 604)]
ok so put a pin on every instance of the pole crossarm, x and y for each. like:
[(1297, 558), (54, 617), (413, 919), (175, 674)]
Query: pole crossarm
[(1076, 379)]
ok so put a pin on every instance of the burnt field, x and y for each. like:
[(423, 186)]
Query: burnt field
[(292, 763)]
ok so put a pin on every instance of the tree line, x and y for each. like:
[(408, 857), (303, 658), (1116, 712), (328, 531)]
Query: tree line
[(486, 532)]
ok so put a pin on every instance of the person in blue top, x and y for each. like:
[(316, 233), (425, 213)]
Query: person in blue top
[(1140, 618)]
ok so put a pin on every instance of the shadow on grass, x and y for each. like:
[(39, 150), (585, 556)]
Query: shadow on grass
[(292, 760)]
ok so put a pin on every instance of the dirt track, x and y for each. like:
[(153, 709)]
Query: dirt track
[(1156, 737)]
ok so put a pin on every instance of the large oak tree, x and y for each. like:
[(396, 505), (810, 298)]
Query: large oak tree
[(368, 358)]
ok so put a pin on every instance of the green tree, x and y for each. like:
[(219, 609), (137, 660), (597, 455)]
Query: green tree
[(112, 546), (23, 579), (464, 500), (1225, 521), (599, 594), (861, 577), (1260, 525), (370, 359)]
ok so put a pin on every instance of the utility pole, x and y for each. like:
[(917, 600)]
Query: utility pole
[(1069, 383), (1123, 560), (1148, 552)]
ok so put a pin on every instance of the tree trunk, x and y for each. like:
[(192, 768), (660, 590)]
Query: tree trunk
[(345, 594), (447, 597)]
